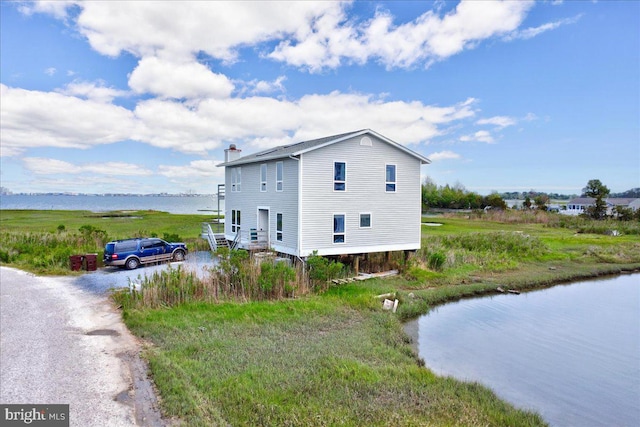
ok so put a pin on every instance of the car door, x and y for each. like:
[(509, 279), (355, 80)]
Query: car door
[(163, 250), (148, 252)]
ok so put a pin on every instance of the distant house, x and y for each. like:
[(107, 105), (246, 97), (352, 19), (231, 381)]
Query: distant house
[(351, 193), (578, 205)]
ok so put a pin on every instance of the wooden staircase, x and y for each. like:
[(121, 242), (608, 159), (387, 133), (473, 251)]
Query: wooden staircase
[(216, 240), (221, 241)]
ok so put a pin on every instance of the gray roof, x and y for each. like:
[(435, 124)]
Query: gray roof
[(619, 201), (305, 146)]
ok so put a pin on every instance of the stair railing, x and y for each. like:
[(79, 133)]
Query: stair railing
[(236, 241), (211, 238)]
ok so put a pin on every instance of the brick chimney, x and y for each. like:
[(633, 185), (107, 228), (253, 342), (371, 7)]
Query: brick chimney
[(231, 153)]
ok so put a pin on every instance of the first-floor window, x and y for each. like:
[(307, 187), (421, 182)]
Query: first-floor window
[(365, 220), (338, 228), (235, 221), (279, 227)]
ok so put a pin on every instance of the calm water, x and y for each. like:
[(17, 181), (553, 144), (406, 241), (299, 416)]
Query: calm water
[(570, 353), (172, 204)]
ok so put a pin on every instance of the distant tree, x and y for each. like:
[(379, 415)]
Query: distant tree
[(598, 191), (623, 213), (541, 202), (527, 203), (448, 197), (634, 193), (430, 194), (495, 201)]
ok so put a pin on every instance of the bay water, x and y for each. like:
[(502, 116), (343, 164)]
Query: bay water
[(197, 204), (570, 352)]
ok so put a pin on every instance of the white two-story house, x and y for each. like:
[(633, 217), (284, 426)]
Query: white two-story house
[(352, 193)]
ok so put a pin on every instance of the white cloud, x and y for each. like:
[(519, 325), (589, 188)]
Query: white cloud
[(56, 8), (199, 168), (427, 39), (180, 29), (94, 91), (262, 122), (312, 35), (481, 136), (47, 119), (257, 87), (528, 33), (443, 155), (500, 121), (170, 79), (50, 71), (46, 166)]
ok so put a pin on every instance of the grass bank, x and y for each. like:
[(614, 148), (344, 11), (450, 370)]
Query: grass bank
[(315, 362), (334, 357)]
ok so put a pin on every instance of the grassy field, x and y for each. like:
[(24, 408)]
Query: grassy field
[(42, 241), (334, 357)]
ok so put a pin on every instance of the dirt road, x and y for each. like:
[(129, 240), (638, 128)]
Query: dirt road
[(61, 343)]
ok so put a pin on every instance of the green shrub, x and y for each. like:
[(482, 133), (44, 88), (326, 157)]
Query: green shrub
[(437, 260), (322, 270), (171, 237)]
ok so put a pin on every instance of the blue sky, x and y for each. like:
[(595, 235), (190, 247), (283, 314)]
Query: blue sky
[(142, 97)]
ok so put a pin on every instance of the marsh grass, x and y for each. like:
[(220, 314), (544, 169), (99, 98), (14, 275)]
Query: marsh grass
[(48, 252), (493, 251), (312, 362), (240, 280)]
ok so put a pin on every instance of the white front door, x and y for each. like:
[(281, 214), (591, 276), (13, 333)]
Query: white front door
[(263, 224)]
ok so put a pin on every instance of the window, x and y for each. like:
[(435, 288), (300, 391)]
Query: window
[(279, 166), (279, 227), (236, 179), (263, 177), (390, 179), (235, 221), (366, 141), (339, 176), (365, 220), (338, 228)]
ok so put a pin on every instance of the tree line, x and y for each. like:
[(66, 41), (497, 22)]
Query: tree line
[(458, 197)]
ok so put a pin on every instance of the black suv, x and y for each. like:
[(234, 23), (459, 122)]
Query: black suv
[(130, 253)]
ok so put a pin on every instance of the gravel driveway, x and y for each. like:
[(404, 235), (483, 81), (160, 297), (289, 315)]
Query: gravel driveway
[(106, 278), (62, 342)]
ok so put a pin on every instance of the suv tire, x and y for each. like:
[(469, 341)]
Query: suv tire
[(132, 263), (178, 255)]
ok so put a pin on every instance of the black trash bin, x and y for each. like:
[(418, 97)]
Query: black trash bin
[(75, 262), (91, 262)]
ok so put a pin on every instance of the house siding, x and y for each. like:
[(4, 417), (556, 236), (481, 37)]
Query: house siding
[(395, 217), (250, 199)]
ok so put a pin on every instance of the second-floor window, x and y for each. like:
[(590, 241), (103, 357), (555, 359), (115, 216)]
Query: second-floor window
[(236, 180), (263, 177), (339, 176), (279, 176), (390, 179)]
